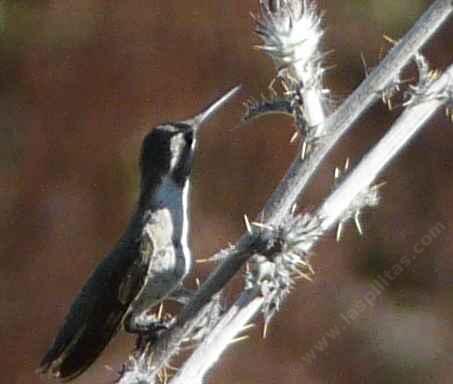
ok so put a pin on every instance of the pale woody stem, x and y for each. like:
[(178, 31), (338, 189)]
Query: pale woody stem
[(291, 188), (331, 211)]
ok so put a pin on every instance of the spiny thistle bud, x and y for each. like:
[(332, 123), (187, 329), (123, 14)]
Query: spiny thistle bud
[(291, 33), (276, 278)]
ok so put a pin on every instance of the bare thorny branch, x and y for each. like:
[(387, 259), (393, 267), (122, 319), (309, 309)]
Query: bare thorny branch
[(278, 245)]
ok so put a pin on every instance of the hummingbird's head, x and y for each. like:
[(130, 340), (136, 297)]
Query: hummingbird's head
[(168, 149)]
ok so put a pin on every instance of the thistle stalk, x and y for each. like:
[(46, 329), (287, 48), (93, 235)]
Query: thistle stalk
[(352, 193), (279, 206)]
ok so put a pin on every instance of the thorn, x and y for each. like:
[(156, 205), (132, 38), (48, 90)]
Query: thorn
[(306, 265), (347, 164), (247, 267), (380, 185), (265, 48), (109, 368), (261, 225), (298, 278), (247, 327), (329, 68), (160, 312), (248, 225), (389, 39), (339, 231), (294, 137), (293, 208), (365, 66), (265, 329), (304, 150), (449, 113), (310, 268), (239, 339), (204, 261), (389, 104), (304, 275), (197, 282), (336, 173), (357, 222)]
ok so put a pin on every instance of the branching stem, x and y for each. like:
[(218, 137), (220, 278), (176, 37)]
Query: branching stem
[(290, 190), (331, 211)]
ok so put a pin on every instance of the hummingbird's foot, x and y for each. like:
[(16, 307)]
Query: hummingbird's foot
[(150, 335), (147, 327)]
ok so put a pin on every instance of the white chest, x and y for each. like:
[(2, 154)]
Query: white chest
[(171, 218)]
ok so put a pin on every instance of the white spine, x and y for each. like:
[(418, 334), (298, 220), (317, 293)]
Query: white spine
[(185, 226)]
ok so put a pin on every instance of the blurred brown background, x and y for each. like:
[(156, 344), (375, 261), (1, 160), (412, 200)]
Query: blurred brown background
[(82, 81)]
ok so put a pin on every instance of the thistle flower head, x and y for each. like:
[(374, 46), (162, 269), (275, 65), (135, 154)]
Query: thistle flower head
[(426, 77), (290, 30), (276, 278), (291, 33)]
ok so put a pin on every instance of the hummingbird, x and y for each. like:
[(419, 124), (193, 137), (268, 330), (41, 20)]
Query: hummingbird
[(150, 260)]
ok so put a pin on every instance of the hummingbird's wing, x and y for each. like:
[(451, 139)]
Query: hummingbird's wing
[(96, 314)]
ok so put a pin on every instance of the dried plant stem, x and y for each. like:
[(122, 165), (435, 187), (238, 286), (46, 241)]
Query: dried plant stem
[(301, 171), (331, 212), (402, 131), (296, 180), (231, 324)]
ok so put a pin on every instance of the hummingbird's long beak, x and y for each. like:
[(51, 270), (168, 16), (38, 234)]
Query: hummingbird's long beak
[(204, 116)]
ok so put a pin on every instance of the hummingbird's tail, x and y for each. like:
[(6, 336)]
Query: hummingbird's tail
[(79, 343), (94, 318)]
